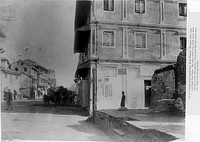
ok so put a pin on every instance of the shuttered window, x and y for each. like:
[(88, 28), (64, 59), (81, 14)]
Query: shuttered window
[(108, 38), (182, 43), (140, 40), (108, 5), (140, 6), (183, 9)]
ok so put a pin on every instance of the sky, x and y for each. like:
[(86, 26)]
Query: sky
[(46, 27)]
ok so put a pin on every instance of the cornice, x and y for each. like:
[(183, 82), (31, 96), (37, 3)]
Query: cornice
[(141, 25)]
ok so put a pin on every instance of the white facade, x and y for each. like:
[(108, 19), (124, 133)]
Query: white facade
[(112, 79), (9, 78)]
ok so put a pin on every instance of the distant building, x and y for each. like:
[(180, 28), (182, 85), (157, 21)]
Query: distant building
[(9, 78), (28, 83), (35, 77), (121, 44), (52, 77)]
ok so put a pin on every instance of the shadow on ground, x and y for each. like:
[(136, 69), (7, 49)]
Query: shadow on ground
[(40, 107), (94, 134)]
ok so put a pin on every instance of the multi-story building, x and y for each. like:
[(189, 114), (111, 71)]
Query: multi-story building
[(29, 78), (35, 77), (121, 43)]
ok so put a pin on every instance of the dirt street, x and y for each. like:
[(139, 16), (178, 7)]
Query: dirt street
[(31, 120)]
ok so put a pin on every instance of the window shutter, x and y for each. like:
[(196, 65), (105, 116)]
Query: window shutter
[(106, 4), (185, 9), (111, 6), (138, 41), (108, 38), (137, 6), (142, 6)]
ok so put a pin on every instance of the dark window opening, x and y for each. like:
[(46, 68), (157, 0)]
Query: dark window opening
[(25, 69), (147, 89), (140, 6), (183, 9), (108, 5), (182, 43), (108, 38)]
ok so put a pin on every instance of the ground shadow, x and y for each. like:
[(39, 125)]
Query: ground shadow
[(96, 133), (40, 107)]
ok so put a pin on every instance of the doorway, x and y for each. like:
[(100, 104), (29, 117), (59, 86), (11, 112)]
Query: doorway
[(147, 90)]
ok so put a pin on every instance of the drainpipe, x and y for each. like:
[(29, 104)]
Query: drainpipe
[(94, 70), (176, 77), (94, 96)]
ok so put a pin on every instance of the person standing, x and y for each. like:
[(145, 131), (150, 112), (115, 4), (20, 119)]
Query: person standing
[(122, 104), (123, 100), (15, 94), (9, 99)]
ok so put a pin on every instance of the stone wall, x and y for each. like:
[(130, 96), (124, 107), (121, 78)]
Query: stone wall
[(130, 132), (163, 86), (181, 74), (168, 79)]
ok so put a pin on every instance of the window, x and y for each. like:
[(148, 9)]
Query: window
[(183, 9), (109, 71), (163, 45), (125, 42), (140, 40), (93, 41), (140, 6), (16, 69), (108, 5), (134, 72), (108, 38), (108, 90), (124, 9), (182, 43), (162, 11), (25, 69), (32, 72)]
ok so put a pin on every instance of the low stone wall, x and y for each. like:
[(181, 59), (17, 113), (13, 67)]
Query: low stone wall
[(131, 132), (181, 75), (162, 87)]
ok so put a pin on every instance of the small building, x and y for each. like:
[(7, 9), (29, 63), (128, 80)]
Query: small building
[(9, 78)]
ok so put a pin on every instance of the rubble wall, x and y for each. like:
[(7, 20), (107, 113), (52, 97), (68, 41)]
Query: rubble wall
[(168, 79), (162, 87), (181, 75)]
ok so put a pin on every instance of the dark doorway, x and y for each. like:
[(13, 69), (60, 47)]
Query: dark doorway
[(147, 90)]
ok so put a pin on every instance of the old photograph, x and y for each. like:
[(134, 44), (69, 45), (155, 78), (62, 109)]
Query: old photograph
[(93, 70)]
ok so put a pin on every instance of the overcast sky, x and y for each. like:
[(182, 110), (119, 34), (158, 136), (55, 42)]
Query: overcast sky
[(48, 28)]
